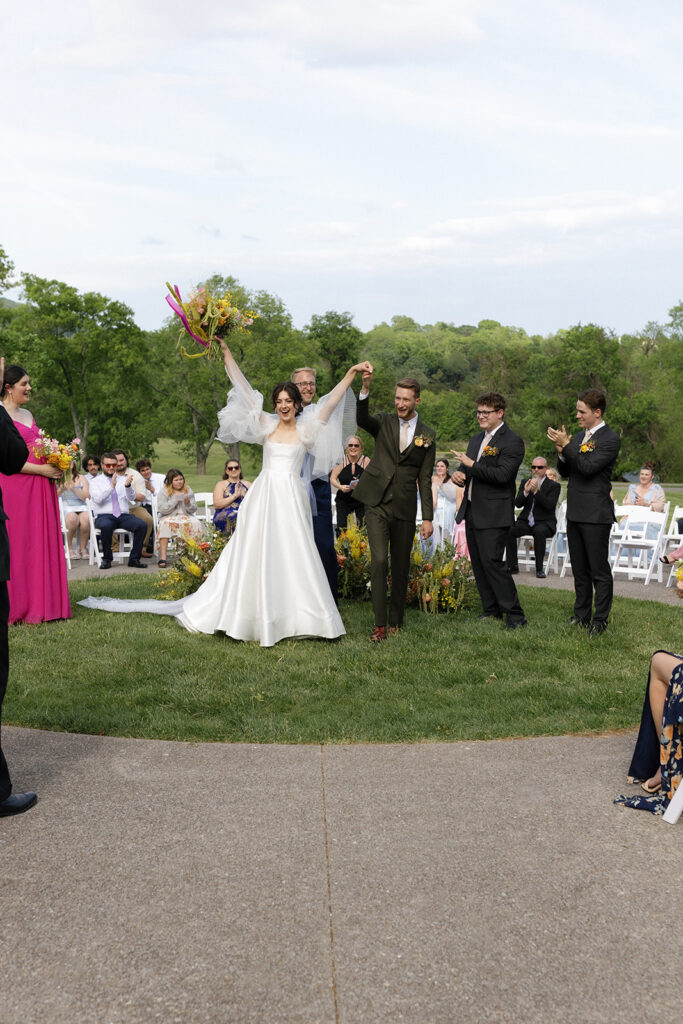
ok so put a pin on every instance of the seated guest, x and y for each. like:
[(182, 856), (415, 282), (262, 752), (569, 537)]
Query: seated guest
[(646, 493), (658, 756), (111, 495), (228, 495), (344, 478), (137, 507), (91, 466), (74, 491), (537, 497), (153, 483), (176, 504)]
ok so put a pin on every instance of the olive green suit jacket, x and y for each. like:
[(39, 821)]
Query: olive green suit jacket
[(392, 475)]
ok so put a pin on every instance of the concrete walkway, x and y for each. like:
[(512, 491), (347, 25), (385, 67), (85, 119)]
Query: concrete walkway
[(463, 883)]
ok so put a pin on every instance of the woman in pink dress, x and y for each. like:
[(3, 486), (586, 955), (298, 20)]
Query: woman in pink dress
[(38, 588)]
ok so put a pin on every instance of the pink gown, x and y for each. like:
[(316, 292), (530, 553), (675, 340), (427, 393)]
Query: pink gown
[(38, 589)]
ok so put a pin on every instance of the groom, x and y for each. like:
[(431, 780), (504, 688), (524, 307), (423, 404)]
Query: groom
[(403, 461)]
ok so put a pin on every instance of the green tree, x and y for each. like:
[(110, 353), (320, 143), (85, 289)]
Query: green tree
[(87, 359), (337, 339)]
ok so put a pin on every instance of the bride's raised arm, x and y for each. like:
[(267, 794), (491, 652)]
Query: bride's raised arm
[(243, 418), (335, 396)]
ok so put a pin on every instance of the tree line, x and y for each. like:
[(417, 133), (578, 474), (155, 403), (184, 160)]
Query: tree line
[(98, 376)]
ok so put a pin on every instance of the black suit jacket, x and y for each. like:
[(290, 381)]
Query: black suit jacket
[(590, 476), (493, 492), (392, 472), (546, 499), (13, 455)]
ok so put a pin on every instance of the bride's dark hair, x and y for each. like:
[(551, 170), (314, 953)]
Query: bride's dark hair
[(293, 392)]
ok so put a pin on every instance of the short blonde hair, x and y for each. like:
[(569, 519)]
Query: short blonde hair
[(302, 369)]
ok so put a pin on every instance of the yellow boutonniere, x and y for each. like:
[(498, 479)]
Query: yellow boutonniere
[(422, 441), (488, 450), (587, 447)]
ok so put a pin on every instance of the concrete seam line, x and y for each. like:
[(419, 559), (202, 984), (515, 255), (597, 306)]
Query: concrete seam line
[(329, 885)]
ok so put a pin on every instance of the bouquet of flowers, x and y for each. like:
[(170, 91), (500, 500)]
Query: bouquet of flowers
[(440, 581), (678, 576), (207, 318), (53, 453)]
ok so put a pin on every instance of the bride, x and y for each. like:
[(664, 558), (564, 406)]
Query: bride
[(269, 582)]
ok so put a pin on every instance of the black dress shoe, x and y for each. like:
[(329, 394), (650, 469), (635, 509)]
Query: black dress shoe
[(17, 803), (597, 627), (576, 621), (105, 563), (135, 563), (490, 615), (540, 575), (516, 624)]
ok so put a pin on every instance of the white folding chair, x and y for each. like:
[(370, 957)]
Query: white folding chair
[(204, 501), (94, 552), (558, 541), (673, 811), (65, 534), (636, 554)]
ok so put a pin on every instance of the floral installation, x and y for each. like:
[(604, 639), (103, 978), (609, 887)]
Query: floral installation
[(587, 446), (678, 574), (488, 451), (195, 560), (439, 582), (54, 453), (353, 561), (423, 440), (208, 318)]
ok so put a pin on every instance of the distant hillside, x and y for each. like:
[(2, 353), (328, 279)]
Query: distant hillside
[(9, 303)]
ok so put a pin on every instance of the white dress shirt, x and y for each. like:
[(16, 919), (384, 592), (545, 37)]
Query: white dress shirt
[(100, 495)]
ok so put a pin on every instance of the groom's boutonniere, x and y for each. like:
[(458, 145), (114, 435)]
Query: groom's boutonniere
[(489, 450), (423, 440), (588, 446)]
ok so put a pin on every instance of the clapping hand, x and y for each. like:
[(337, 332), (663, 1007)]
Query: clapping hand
[(459, 478), (560, 438)]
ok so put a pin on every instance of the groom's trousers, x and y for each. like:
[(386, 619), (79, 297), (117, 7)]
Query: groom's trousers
[(388, 535)]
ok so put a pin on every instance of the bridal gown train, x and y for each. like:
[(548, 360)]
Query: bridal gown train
[(269, 582)]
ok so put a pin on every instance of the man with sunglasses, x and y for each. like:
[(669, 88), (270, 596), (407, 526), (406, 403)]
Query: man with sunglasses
[(488, 471), (537, 497)]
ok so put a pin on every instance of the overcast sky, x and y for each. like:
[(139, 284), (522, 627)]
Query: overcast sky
[(517, 160)]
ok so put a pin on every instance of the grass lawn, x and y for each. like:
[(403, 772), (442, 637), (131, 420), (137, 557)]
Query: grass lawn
[(443, 678)]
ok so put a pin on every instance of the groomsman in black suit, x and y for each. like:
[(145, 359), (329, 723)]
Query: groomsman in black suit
[(488, 471), (537, 497), (588, 461), (13, 455)]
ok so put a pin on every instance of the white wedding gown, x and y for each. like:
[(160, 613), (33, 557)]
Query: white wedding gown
[(269, 582)]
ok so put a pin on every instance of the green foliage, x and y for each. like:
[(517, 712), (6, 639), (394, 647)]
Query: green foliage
[(194, 560), (87, 359)]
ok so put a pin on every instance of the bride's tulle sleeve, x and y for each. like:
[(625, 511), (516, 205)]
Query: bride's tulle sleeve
[(243, 418), (323, 431)]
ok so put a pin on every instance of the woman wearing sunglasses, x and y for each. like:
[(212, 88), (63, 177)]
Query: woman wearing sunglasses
[(228, 495)]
